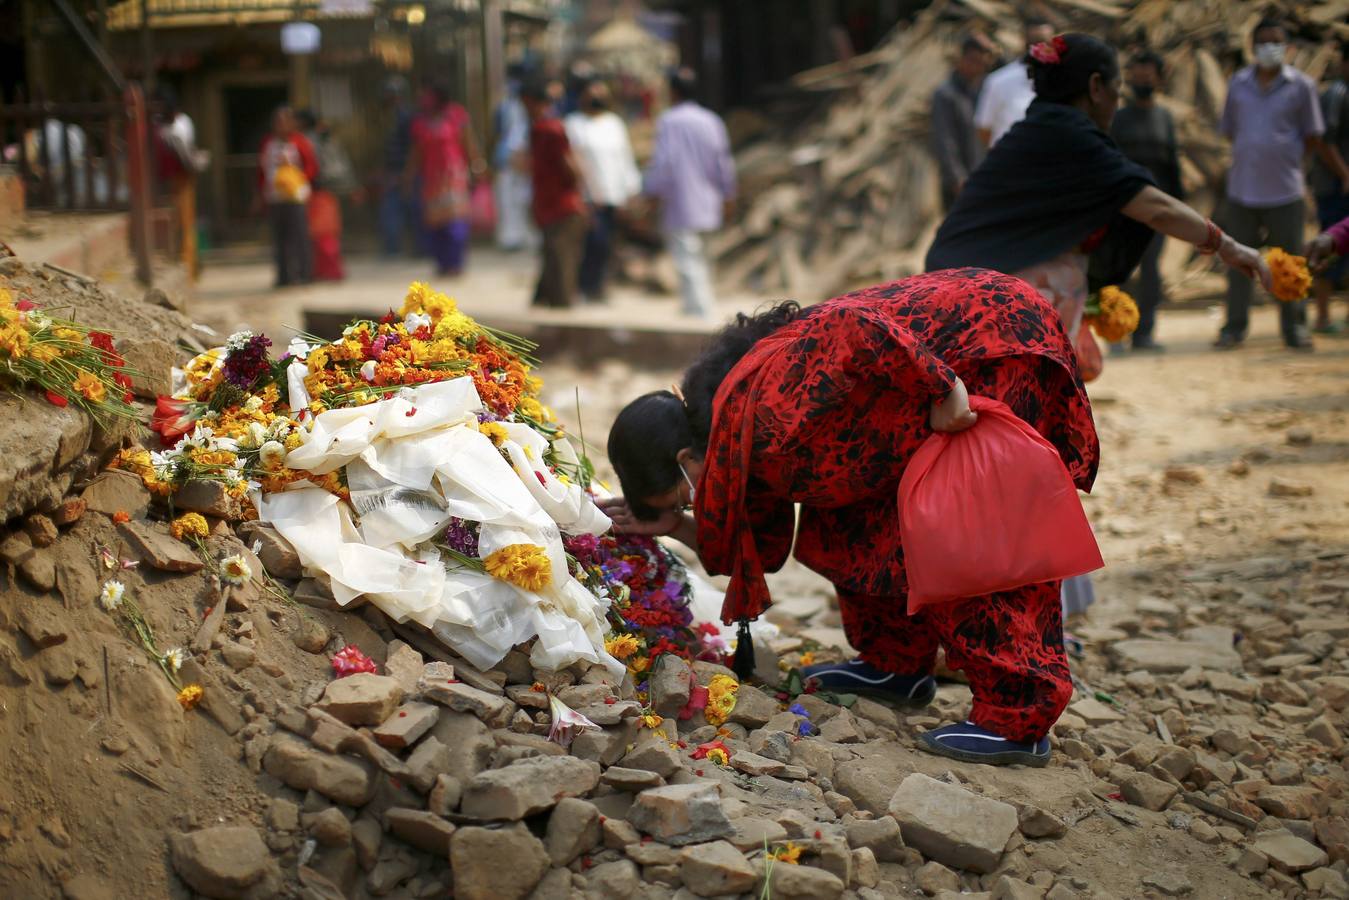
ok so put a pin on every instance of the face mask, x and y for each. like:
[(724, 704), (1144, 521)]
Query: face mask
[(692, 490), (1142, 91), (1269, 56)]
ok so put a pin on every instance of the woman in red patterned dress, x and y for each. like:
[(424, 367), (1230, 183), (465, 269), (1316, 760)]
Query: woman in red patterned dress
[(823, 408)]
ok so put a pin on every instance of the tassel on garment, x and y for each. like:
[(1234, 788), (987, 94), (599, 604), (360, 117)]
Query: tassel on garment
[(743, 664)]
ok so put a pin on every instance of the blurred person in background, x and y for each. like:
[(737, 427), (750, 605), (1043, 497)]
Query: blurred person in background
[(955, 141), (559, 210), (1146, 133), (610, 178), (445, 155), (335, 179), (1332, 198), (398, 210), (510, 159), (1273, 117), (178, 162), (287, 168), (1008, 92), (692, 174)]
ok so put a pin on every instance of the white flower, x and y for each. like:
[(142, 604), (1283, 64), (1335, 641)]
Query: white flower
[(174, 659), (199, 439), (37, 320), (256, 435), (257, 547), (415, 320), (253, 404), (272, 455), (235, 570), (113, 592), (238, 340), (368, 370)]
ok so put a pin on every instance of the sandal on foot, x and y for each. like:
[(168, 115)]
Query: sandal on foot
[(857, 677), (968, 742)]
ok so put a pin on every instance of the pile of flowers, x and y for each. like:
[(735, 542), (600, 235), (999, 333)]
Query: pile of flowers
[(239, 413), (1112, 314), (64, 360), (650, 589), (1292, 278)]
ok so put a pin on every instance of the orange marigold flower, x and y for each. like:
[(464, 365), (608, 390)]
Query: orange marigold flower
[(1292, 279), (190, 696), (121, 516), (89, 386)]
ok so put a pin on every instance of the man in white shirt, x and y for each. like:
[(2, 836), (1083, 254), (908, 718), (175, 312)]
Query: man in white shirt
[(1008, 91), (610, 178)]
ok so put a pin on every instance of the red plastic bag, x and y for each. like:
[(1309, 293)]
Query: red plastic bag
[(990, 509), (482, 210)]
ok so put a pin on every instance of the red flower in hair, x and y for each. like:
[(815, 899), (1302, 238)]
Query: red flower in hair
[(1050, 52)]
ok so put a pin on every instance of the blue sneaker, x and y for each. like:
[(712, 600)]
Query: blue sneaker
[(856, 677), (968, 742)]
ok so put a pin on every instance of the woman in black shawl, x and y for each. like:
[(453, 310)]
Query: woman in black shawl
[(1056, 203)]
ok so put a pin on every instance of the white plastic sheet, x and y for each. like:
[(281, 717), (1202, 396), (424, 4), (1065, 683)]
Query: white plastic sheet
[(413, 462)]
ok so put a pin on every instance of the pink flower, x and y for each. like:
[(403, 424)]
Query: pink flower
[(350, 660), (1050, 52), (697, 702), (567, 722)]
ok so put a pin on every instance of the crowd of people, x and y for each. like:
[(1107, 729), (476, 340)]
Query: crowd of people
[(1273, 116), (584, 182)]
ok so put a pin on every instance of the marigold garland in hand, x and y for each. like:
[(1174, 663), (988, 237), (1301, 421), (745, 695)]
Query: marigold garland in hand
[(1292, 278), (1117, 315)]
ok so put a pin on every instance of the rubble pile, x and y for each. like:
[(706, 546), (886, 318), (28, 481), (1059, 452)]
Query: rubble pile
[(838, 187)]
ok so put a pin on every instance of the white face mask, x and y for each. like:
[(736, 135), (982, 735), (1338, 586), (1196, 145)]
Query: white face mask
[(1269, 56), (692, 490)]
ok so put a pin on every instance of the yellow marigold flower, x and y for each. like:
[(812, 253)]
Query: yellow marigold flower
[(524, 565), (89, 386), (293, 440), (651, 720), (495, 431), (720, 699), (190, 696), (1118, 316), (718, 756), (533, 409), (533, 385), (639, 664), (61, 333), (790, 854), (621, 646), (317, 359), (190, 525), (1292, 279), (455, 326), (6, 298), (14, 340), (807, 659), (43, 351)]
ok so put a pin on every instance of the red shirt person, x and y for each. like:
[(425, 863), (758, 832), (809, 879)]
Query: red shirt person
[(823, 408), (558, 207)]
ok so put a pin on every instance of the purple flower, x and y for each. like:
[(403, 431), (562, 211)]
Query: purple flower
[(248, 362), (461, 536), (804, 729), (798, 709)]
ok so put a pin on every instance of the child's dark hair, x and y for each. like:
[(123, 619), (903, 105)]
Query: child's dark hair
[(1080, 56), (652, 429)]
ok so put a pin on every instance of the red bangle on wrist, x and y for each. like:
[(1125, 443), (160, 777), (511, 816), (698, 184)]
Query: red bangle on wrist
[(1213, 242)]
